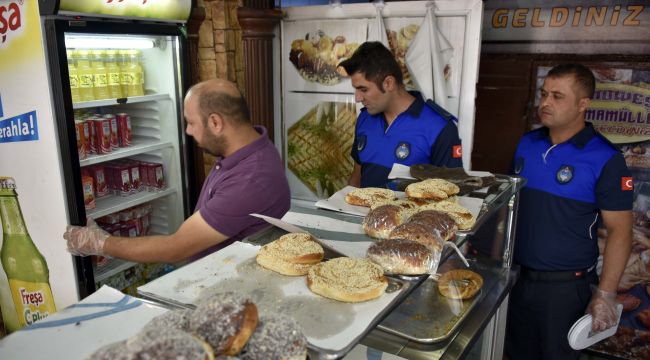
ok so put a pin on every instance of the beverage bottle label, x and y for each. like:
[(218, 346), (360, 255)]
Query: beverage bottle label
[(33, 301)]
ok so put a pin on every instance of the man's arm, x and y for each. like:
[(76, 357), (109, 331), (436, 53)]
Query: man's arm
[(617, 248), (355, 177)]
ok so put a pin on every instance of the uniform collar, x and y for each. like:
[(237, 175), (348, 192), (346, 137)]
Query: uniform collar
[(416, 106), (229, 162), (580, 139)]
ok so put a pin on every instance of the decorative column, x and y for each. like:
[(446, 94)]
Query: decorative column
[(257, 25)]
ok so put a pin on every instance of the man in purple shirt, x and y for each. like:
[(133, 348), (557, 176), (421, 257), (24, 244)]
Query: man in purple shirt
[(247, 178)]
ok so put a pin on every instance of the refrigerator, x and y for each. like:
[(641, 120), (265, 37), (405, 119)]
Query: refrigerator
[(135, 179)]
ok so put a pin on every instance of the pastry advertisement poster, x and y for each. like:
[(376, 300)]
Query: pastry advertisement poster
[(319, 131), (620, 110), (401, 32), (313, 49)]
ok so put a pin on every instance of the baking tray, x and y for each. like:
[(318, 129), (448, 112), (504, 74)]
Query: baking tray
[(332, 328), (426, 316)]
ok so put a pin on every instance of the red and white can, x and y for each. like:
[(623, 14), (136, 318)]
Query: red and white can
[(91, 145), (124, 129), (81, 140)]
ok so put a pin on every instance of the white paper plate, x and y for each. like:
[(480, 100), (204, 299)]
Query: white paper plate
[(578, 335)]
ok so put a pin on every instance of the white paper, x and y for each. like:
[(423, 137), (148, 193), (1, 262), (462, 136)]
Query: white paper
[(399, 171), (184, 286), (77, 337), (353, 249), (322, 223), (281, 224)]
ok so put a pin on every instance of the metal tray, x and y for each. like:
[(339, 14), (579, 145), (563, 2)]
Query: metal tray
[(426, 316)]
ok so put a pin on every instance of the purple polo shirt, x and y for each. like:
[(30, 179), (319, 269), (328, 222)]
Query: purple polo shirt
[(251, 180)]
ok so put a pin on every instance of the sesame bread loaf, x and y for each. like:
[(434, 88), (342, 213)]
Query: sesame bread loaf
[(292, 254), (400, 256), (368, 196), (434, 189), (381, 220), (347, 279)]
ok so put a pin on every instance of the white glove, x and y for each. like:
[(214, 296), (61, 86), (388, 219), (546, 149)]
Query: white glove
[(85, 240), (602, 308)]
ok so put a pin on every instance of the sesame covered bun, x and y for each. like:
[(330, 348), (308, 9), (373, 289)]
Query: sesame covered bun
[(347, 279), (369, 196), (292, 254), (434, 189), (382, 219), (461, 215)]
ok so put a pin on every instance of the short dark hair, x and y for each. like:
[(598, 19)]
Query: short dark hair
[(583, 76), (229, 107), (375, 61)]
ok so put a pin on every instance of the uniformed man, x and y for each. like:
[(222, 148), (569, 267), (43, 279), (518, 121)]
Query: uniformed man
[(576, 180), (394, 126)]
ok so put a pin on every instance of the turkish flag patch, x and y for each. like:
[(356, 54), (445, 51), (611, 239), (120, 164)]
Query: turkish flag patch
[(457, 151), (626, 184)]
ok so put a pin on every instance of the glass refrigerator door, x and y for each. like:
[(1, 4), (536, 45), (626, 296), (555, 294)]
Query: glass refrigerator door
[(126, 114)]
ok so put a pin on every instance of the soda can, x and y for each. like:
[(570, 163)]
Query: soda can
[(114, 133), (81, 140), (92, 139), (86, 136), (124, 128), (103, 134)]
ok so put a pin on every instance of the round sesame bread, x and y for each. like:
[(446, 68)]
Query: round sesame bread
[(292, 254), (435, 189), (425, 234), (166, 343), (459, 284), (368, 196), (381, 220), (462, 216), (347, 279)]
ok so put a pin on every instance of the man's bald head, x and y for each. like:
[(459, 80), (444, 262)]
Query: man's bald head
[(221, 97)]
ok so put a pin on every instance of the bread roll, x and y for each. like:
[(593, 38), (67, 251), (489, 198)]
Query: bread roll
[(435, 189), (425, 234), (381, 220), (440, 221), (348, 280), (400, 256), (463, 217), (459, 284), (369, 196), (292, 254)]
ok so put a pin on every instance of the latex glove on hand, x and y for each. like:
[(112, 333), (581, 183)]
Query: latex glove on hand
[(85, 240), (602, 308)]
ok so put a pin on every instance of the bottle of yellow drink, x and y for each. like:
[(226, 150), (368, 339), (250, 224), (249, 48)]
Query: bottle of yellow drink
[(74, 77), (100, 78), (122, 59), (135, 74), (25, 266), (85, 73), (113, 72)]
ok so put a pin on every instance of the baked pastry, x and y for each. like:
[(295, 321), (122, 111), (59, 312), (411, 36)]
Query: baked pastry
[(434, 189), (177, 319), (459, 284), (463, 217), (292, 254), (440, 221), (629, 301), (400, 256), (114, 351), (381, 220), (369, 196), (348, 280), (425, 234), (167, 343), (276, 337), (225, 322)]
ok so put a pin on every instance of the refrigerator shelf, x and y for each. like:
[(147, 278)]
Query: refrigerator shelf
[(114, 203), (113, 267), (129, 100), (138, 146)]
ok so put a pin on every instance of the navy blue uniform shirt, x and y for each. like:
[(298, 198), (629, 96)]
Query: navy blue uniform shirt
[(567, 186), (423, 134)]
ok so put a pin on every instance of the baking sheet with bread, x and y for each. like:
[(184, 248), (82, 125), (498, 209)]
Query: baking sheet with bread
[(331, 326)]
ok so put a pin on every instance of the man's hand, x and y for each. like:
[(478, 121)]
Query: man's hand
[(85, 240), (603, 310)]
